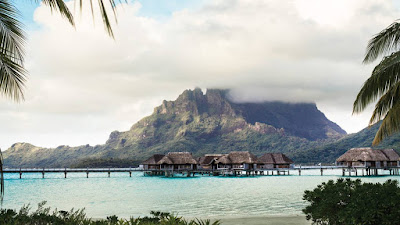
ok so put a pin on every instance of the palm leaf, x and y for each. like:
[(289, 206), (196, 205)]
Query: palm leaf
[(12, 77), (104, 13), (383, 43), (385, 103), (12, 74), (390, 124), (384, 76), (61, 7)]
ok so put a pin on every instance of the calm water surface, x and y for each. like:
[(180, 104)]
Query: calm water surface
[(221, 197)]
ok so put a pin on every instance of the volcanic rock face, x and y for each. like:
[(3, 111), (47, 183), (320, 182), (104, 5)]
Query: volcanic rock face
[(199, 123)]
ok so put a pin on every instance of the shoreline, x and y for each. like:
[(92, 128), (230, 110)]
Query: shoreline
[(259, 220), (266, 220)]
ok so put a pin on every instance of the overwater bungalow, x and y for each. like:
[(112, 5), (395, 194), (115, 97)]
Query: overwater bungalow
[(237, 160), (152, 162), (274, 160), (209, 161), (369, 158), (178, 161)]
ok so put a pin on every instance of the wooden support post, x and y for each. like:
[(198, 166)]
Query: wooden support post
[(299, 172), (20, 175), (322, 172), (356, 172), (109, 172), (343, 172), (362, 170), (65, 173)]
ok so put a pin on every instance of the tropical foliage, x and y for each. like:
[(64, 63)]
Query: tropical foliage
[(384, 83), (352, 202), (12, 39), (44, 216), (12, 72)]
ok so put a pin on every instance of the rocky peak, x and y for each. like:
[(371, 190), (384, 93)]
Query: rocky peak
[(22, 145), (198, 103)]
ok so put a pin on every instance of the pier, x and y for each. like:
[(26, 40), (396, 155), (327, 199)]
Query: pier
[(296, 170), (65, 171)]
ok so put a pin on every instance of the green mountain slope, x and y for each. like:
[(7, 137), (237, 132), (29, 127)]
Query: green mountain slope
[(329, 152), (199, 123)]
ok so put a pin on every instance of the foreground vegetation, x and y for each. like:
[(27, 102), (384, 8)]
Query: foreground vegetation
[(352, 202), (44, 216)]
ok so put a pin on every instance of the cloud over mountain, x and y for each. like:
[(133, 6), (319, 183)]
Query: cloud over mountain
[(83, 84)]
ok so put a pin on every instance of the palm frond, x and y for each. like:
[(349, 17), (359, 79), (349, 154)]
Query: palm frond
[(384, 76), (385, 103), (12, 39), (383, 43), (61, 7), (390, 124), (104, 12), (12, 77)]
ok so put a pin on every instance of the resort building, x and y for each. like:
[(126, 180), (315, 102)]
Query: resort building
[(237, 161), (369, 158), (178, 161), (209, 161), (274, 160), (152, 162)]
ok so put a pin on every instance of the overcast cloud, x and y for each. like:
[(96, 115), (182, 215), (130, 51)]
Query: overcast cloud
[(83, 85)]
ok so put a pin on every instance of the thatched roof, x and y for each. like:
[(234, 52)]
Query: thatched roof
[(238, 158), (153, 160), (178, 158), (208, 158), (224, 160), (267, 158), (274, 158), (368, 154), (391, 154)]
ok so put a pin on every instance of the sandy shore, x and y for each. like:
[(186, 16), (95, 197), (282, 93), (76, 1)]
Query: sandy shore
[(272, 220)]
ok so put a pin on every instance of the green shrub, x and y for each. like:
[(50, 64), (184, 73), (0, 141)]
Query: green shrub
[(44, 216), (353, 202)]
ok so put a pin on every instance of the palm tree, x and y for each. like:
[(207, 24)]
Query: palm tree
[(384, 82), (12, 38)]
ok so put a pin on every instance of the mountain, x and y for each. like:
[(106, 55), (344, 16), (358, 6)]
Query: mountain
[(331, 151), (199, 123)]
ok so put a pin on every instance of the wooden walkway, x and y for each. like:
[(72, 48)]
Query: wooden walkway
[(72, 170), (188, 173)]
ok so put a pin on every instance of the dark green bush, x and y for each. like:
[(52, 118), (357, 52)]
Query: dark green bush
[(44, 216), (353, 202)]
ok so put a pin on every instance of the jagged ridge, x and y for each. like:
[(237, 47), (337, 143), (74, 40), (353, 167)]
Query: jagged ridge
[(200, 123)]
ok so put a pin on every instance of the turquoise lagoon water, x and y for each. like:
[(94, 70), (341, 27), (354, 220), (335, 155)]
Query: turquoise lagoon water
[(201, 196)]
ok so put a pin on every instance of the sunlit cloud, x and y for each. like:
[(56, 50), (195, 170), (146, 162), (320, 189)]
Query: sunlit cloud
[(83, 84)]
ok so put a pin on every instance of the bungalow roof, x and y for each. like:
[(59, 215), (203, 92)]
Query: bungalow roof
[(178, 158), (364, 155), (153, 160)]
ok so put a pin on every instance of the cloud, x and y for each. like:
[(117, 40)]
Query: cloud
[(83, 84)]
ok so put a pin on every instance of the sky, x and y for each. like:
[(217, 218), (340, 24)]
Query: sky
[(82, 84)]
